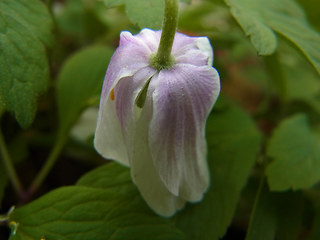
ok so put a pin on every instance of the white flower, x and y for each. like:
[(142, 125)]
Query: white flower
[(154, 121)]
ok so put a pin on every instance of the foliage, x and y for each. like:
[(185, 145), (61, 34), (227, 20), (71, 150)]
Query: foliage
[(25, 31), (263, 133)]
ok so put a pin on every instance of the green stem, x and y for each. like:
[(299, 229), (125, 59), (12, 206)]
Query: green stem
[(51, 160), (163, 59), (9, 167), (255, 206)]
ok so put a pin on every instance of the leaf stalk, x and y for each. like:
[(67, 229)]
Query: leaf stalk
[(10, 170)]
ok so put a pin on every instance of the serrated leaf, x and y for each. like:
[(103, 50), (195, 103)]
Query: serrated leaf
[(296, 155), (144, 13), (95, 209), (25, 27), (233, 150), (80, 82), (261, 19)]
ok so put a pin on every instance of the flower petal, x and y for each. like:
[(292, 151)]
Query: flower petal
[(180, 41), (125, 95), (182, 100), (204, 45), (108, 139), (150, 38), (143, 171), (131, 55), (193, 50)]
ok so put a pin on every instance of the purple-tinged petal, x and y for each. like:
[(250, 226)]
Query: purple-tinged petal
[(125, 95), (198, 53), (150, 38), (131, 56), (144, 173), (182, 100), (180, 41), (126, 92)]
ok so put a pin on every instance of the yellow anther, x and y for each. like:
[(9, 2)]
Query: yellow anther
[(14, 226), (112, 94)]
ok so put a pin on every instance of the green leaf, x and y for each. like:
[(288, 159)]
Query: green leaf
[(25, 27), (106, 177), (312, 11), (80, 82), (296, 155), (104, 205), (144, 13), (263, 220), (261, 19), (297, 68), (233, 150), (79, 20), (276, 214)]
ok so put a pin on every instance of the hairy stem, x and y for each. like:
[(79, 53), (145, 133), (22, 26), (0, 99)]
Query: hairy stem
[(163, 58)]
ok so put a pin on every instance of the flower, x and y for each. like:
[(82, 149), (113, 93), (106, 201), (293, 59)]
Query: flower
[(154, 120)]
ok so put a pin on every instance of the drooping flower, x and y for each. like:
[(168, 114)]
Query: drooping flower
[(154, 120)]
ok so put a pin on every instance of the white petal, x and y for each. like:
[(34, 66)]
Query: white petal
[(144, 173), (125, 95), (182, 100), (131, 56), (108, 139), (204, 45)]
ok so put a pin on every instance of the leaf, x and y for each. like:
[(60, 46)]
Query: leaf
[(297, 68), (79, 20), (296, 155), (144, 13), (261, 19), (80, 82), (312, 11), (273, 213), (233, 150), (263, 220), (104, 205), (105, 177), (25, 27)]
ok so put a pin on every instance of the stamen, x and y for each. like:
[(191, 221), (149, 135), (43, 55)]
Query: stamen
[(112, 94)]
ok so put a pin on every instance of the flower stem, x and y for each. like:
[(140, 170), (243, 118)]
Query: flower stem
[(163, 59), (9, 167), (55, 152)]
